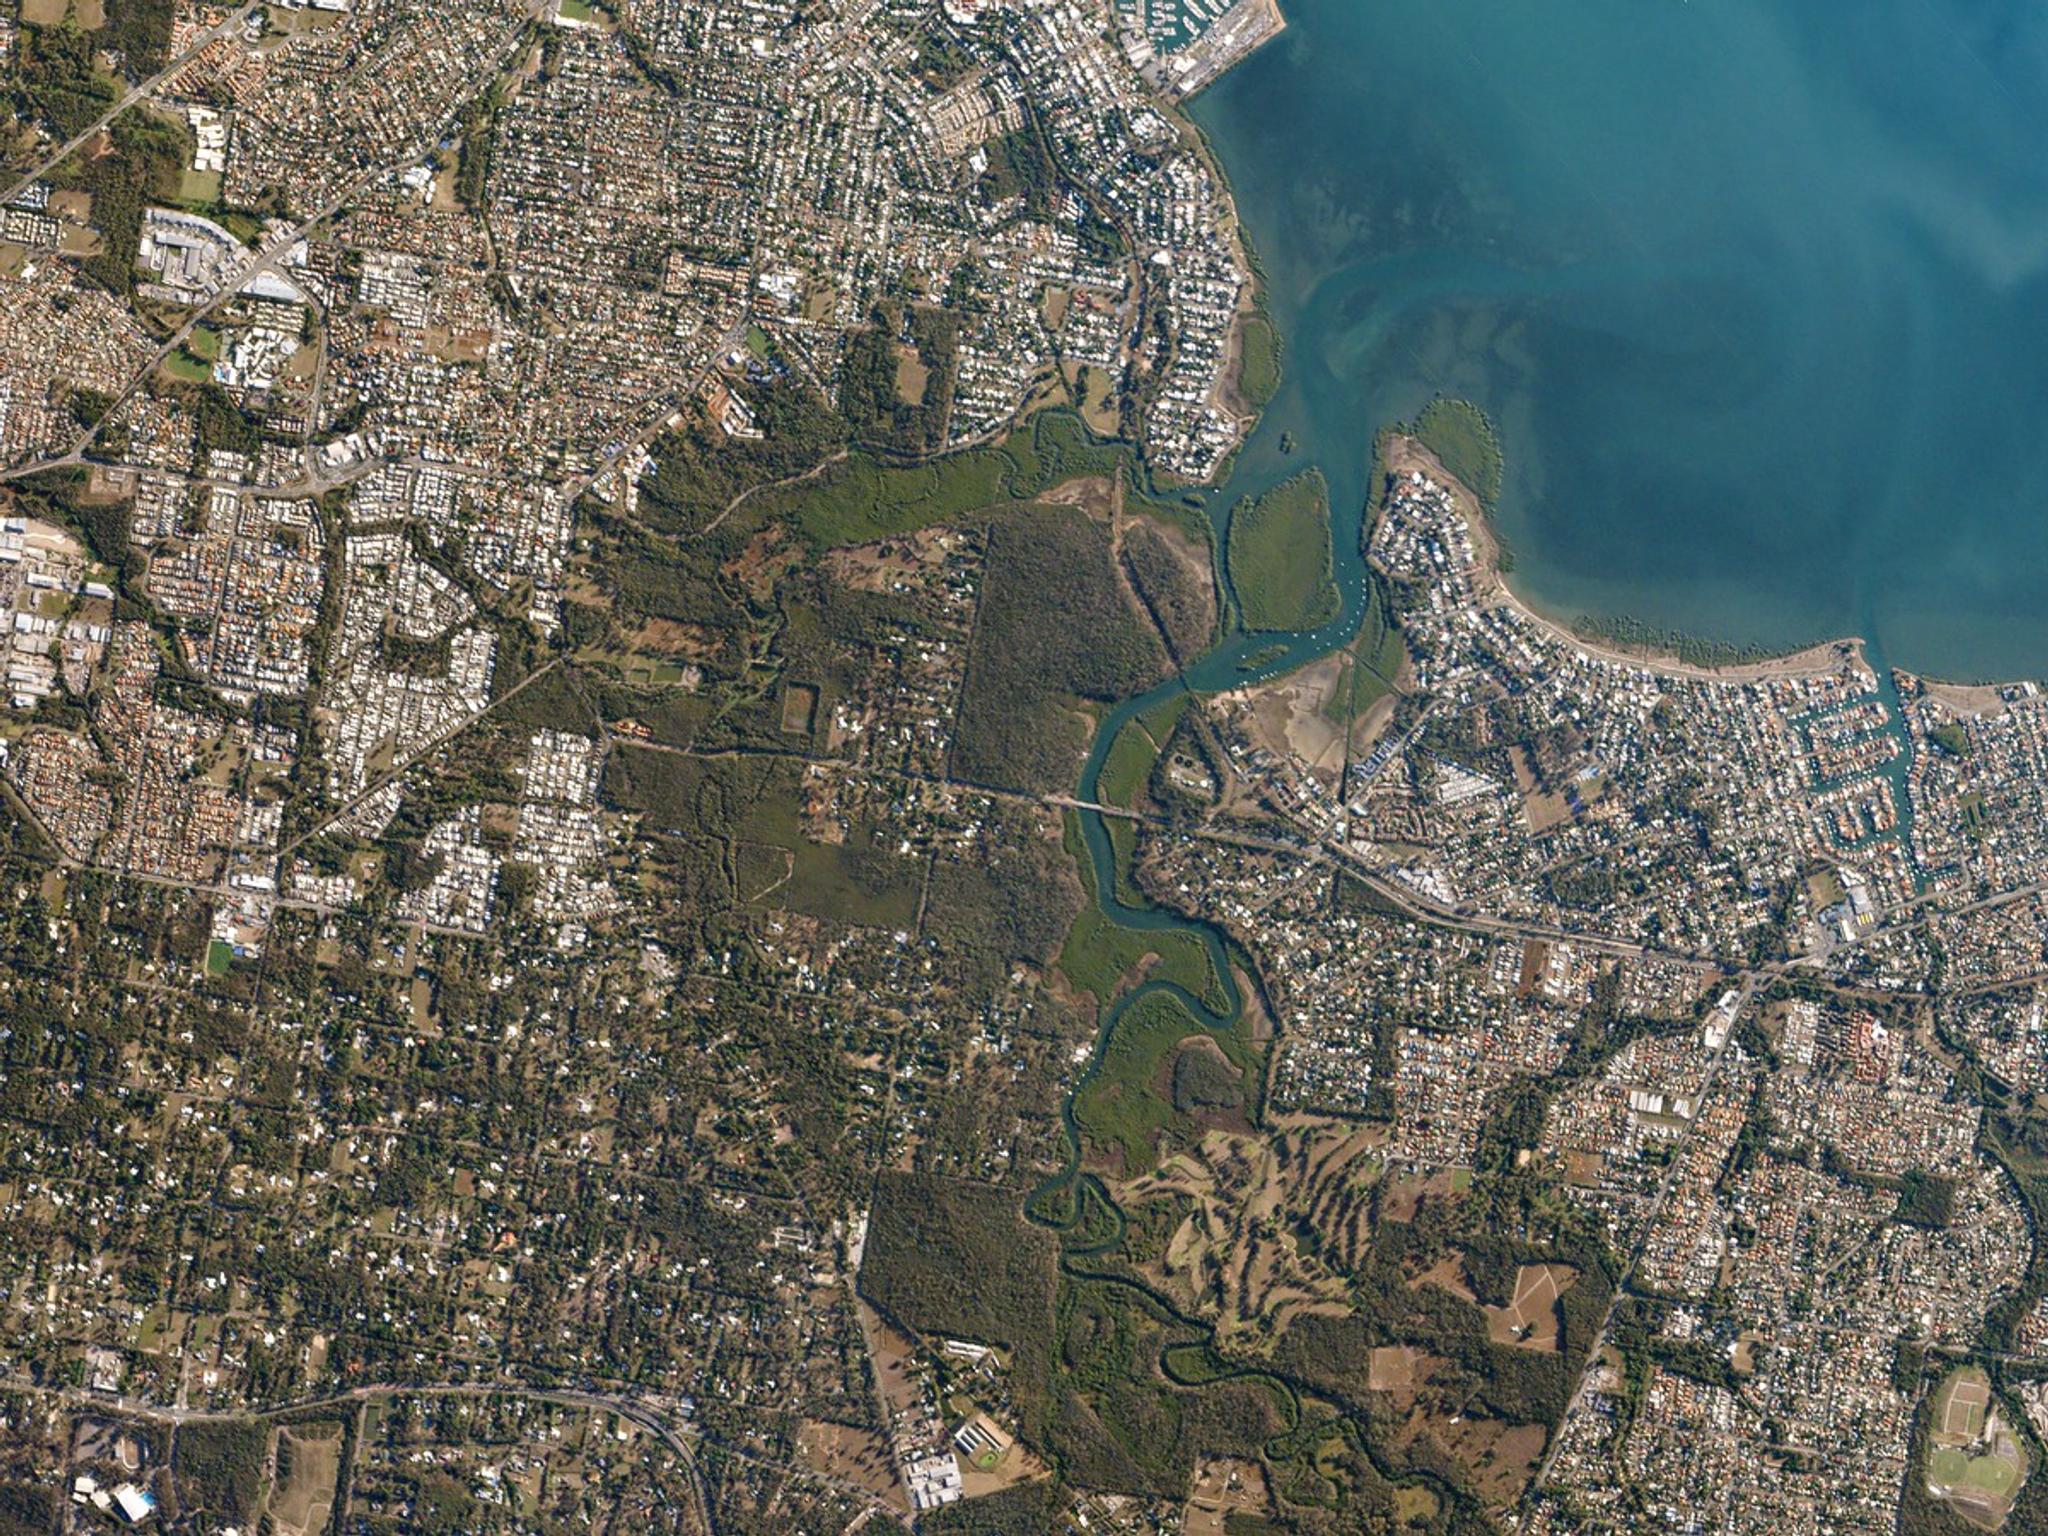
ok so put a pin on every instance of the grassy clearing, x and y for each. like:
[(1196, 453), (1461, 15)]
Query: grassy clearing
[(1095, 397), (1960, 1405), (1375, 660), (1162, 717), (244, 226), (199, 189), (1463, 439), (308, 1466), (183, 365), (1123, 770), (1279, 554)]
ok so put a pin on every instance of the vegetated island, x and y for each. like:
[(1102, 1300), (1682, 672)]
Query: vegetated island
[(1280, 565), (1461, 436), (1257, 378)]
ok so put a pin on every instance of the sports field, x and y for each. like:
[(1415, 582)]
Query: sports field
[(1973, 1461), (1960, 1406), (1993, 1474)]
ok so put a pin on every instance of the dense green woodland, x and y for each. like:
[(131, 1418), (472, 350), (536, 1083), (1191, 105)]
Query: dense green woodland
[(874, 1006), (1056, 633)]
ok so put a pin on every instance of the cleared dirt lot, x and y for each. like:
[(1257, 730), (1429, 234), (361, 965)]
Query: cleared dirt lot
[(1531, 1320)]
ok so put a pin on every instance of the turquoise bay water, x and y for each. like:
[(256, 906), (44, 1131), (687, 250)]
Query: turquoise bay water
[(1757, 291)]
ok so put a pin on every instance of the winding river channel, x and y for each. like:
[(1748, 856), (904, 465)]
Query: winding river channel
[(1239, 660), (1742, 314)]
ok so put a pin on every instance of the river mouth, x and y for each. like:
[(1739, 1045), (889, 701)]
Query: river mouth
[(1758, 305), (1756, 294)]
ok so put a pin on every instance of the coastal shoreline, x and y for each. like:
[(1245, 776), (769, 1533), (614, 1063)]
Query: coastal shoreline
[(1958, 698), (1403, 453)]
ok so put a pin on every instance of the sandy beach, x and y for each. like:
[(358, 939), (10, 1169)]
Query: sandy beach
[(1831, 656)]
